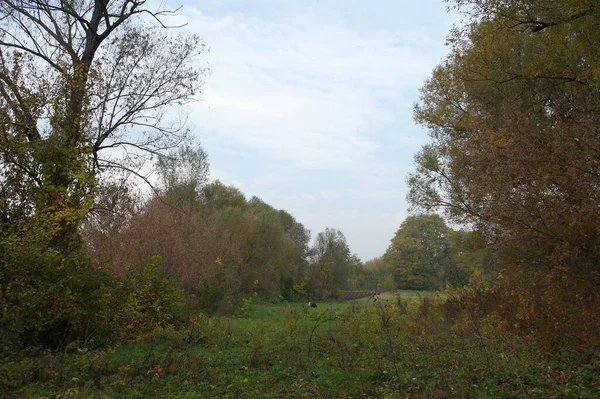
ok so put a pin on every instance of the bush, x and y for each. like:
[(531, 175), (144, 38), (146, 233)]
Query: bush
[(558, 313), (149, 300), (48, 299)]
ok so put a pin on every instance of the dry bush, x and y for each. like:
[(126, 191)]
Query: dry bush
[(554, 310), (189, 242)]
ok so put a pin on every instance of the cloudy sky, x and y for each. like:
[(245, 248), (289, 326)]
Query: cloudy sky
[(309, 105)]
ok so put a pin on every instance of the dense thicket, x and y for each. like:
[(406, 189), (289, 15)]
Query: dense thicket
[(155, 262)]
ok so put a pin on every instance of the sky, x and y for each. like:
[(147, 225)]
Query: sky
[(309, 104)]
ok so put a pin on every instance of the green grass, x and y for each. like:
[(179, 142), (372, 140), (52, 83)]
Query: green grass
[(337, 350)]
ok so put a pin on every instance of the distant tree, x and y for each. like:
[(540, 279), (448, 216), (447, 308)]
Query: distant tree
[(216, 195), (293, 244), (412, 269), (358, 277), (183, 172), (330, 263), (380, 275), (420, 254)]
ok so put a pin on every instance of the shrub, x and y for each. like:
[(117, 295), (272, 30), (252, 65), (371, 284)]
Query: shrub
[(149, 300), (48, 299), (557, 312)]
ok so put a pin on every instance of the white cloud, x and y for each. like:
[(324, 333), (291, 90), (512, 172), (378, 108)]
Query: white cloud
[(308, 95)]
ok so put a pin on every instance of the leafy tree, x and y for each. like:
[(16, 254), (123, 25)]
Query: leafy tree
[(513, 114), (412, 270), (295, 231), (359, 278), (292, 243), (78, 78), (381, 275), (105, 227), (471, 256), (81, 82), (216, 195), (330, 264), (420, 254)]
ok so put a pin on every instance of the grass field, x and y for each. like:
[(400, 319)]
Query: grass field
[(395, 347)]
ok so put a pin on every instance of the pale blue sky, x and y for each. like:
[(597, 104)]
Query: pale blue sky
[(309, 105)]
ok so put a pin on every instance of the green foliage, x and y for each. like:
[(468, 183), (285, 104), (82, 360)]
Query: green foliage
[(216, 195), (420, 254), (148, 300), (471, 256), (330, 265), (300, 288), (359, 278), (220, 293), (48, 299)]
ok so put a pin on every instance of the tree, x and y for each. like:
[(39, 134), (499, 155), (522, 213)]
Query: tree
[(330, 263), (291, 249), (359, 277), (471, 257), (105, 227), (296, 231), (216, 195), (513, 114), (183, 172), (379, 274), (293, 229), (420, 254), (412, 270), (78, 78)]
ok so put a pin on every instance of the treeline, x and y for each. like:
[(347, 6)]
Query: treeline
[(220, 245), (146, 262)]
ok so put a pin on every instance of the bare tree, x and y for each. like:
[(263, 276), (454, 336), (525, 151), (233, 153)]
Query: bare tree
[(77, 78)]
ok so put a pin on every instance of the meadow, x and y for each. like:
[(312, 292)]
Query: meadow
[(399, 346)]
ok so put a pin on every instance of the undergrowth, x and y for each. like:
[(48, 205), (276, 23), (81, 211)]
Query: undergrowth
[(393, 347)]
